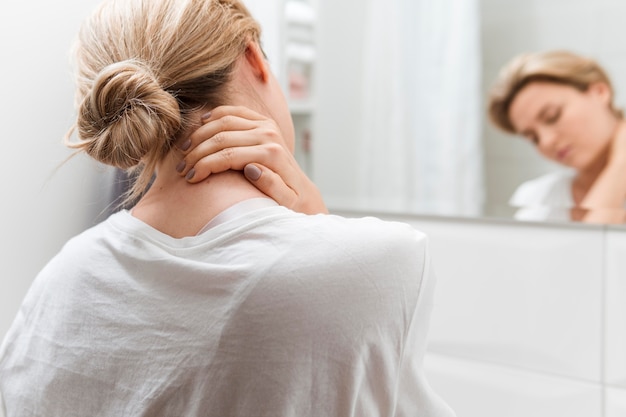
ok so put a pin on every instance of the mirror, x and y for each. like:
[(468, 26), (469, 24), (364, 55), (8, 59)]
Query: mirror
[(494, 30)]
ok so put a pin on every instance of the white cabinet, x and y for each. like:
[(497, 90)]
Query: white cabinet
[(615, 330), (615, 402), (480, 389), (519, 295), (289, 40)]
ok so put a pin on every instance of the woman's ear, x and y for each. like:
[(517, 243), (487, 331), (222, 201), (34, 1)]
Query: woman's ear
[(602, 91), (256, 60)]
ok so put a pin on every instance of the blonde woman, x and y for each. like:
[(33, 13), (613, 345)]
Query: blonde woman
[(208, 298), (563, 104)]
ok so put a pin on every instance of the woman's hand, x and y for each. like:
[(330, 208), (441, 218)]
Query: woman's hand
[(617, 156), (606, 199), (237, 138)]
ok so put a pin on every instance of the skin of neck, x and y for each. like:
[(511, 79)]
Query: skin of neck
[(178, 208), (586, 177)]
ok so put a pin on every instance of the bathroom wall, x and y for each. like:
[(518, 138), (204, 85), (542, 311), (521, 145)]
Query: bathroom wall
[(44, 203), (510, 27), (528, 318), (338, 90)]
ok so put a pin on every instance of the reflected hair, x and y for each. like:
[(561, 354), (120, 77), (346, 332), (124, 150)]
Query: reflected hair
[(559, 67), (143, 67)]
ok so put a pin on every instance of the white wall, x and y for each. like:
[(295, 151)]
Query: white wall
[(41, 208), (268, 13), (338, 83), (594, 28)]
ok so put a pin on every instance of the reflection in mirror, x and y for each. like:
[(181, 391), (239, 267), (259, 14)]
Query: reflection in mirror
[(562, 103), (510, 29), (492, 162), (408, 77)]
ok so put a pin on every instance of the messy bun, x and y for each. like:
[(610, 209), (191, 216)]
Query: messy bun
[(127, 116), (143, 67)]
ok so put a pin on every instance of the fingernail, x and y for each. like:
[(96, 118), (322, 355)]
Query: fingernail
[(185, 145), (181, 166), (252, 172), (206, 116), (190, 174)]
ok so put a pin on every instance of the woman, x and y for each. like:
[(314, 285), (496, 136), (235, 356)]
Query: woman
[(209, 299), (563, 104)]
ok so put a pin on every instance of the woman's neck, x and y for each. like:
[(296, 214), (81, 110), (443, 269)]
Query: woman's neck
[(179, 209), (585, 178)]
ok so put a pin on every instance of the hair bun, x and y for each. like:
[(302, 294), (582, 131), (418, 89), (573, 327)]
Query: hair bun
[(127, 115)]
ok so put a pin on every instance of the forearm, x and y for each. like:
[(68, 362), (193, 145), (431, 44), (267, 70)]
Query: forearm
[(604, 216), (604, 203)]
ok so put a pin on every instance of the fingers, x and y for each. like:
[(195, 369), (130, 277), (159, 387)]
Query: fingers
[(237, 158), (240, 133), (226, 130), (305, 198), (271, 184), (213, 127), (225, 118), (224, 142), (239, 111), (237, 138)]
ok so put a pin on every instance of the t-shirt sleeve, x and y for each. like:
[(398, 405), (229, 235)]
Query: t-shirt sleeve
[(414, 396), (3, 411)]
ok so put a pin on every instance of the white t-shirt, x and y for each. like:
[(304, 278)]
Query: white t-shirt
[(268, 313), (548, 197)]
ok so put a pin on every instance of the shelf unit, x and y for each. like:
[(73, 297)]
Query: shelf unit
[(288, 38)]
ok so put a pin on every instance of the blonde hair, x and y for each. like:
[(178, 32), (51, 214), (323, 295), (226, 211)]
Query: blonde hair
[(561, 67), (143, 66)]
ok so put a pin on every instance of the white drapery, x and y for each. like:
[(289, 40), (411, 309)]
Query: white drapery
[(422, 109)]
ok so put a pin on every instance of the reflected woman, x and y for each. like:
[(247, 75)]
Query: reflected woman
[(562, 103), (209, 298)]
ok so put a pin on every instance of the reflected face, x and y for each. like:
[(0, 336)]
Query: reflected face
[(569, 126)]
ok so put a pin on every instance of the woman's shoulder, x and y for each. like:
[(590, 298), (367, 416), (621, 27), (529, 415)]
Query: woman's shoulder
[(549, 190), (373, 244), (370, 231)]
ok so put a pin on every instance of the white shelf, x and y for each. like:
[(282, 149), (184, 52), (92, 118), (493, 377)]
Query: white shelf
[(300, 12), (302, 52), (301, 107)]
